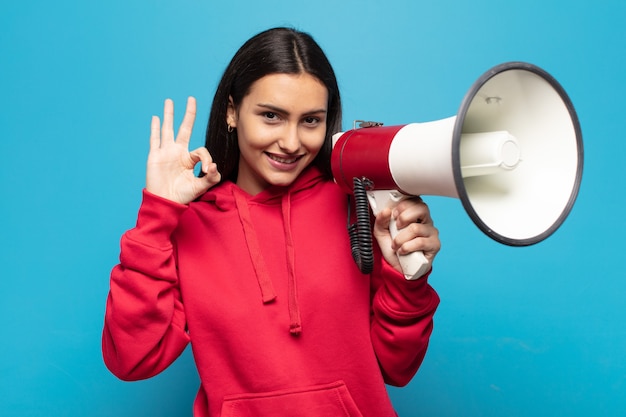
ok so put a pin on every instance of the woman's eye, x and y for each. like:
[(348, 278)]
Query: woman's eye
[(271, 115), (311, 120)]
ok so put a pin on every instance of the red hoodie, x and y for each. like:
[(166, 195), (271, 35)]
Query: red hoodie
[(280, 319)]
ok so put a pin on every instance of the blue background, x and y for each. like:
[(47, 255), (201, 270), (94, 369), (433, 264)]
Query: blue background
[(536, 331)]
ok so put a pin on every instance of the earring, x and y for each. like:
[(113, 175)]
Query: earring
[(229, 128)]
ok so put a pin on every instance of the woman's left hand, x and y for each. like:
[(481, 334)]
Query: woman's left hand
[(416, 231)]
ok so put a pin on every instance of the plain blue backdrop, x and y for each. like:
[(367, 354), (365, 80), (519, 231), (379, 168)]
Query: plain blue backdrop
[(536, 331)]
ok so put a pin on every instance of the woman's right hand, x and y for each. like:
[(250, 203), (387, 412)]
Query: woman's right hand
[(170, 170)]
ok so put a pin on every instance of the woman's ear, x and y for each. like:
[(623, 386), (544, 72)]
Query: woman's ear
[(231, 113)]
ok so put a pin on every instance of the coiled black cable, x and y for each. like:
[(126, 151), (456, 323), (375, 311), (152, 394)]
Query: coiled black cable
[(360, 232)]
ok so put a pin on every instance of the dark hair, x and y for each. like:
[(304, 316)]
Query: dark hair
[(274, 51)]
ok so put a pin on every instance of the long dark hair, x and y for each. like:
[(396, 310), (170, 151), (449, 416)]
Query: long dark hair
[(274, 51)]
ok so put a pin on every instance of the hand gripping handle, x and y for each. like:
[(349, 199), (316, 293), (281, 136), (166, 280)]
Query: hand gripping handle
[(414, 265)]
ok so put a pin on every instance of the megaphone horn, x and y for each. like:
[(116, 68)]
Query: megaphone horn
[(513, 155)]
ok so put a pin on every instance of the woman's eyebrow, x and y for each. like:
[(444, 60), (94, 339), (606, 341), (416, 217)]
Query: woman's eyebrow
[(283, 111)]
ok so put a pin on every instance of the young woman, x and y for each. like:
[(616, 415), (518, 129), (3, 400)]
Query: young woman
[(250, 262)]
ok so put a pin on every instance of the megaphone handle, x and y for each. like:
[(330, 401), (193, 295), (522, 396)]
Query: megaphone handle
[(414, 265)]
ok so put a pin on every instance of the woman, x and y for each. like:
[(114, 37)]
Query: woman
[(250, 262)]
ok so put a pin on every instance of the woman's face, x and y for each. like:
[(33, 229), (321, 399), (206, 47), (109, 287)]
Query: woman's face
[(281, 126)]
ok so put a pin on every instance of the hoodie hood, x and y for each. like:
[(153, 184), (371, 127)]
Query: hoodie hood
[(222, 195), (228, 196)]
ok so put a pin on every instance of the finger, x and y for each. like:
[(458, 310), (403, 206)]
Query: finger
[(212, 177), (410, 232), (428, 246), (203, 156), (167, 130), (418, 237), (155, 133), (209, 168), (413, 212), (186, 127)]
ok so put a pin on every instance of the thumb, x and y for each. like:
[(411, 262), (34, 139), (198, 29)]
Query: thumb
[(381, 224), (211, 175), (201, 185)]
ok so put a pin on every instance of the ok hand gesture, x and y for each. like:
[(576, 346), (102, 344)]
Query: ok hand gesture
[(170, 168)]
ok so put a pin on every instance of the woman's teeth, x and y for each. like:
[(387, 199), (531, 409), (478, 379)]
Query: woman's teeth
[(283, 160)]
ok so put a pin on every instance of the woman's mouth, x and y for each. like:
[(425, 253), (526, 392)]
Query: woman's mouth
[(283, 159)]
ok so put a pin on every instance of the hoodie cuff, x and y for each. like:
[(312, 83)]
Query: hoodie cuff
[(405, 298), (157, 219)]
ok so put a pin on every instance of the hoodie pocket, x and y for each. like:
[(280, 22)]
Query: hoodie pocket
[(329, 400)]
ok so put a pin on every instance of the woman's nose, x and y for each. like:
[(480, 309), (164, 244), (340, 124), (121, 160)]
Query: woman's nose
[(290, 140)]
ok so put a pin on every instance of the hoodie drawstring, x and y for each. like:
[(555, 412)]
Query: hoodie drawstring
[(262, 274), (254, 249), (295, 325)]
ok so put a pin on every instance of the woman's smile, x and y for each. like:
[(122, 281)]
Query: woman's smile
[(283, 162)]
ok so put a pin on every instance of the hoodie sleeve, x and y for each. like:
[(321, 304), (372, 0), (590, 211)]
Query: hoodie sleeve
[(144, 327), (402, 322)]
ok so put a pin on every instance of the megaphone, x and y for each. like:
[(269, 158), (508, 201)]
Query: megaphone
[(513, 155)]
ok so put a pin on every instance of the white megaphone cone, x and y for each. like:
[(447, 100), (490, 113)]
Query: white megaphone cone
[(513, 155)]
